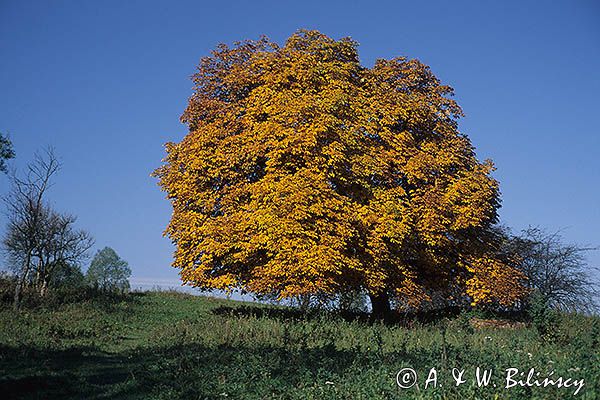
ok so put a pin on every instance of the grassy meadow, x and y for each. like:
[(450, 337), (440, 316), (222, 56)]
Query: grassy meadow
[(169, 345)]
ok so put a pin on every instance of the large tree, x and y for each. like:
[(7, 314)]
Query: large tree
[(304, 172)]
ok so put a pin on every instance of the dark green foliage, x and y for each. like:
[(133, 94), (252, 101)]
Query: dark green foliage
[(543, 317), (353, 301), (175, 346), (67, 275), (7, 288), (6, 152), (69, 291)]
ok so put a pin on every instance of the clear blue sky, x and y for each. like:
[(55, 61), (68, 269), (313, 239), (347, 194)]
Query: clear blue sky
[(105, 82)]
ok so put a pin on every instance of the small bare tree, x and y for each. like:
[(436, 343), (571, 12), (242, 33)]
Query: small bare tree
[(556, 270), (38, 238), (60, 244)]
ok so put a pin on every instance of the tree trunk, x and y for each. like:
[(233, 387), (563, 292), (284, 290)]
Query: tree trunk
[(380, 304), (21, 282), (17, 297), (41, 277), (304, 301), (44, 288), (38, 277)]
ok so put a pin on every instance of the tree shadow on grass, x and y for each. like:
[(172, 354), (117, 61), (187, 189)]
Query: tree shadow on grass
[(287, 314), (187, 370), (290, 314)]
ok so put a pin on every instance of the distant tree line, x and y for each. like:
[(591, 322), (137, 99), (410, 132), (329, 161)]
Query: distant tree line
[(42, 246)]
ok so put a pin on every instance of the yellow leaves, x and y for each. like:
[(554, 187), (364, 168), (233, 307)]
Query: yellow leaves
[(304, 172), (411, 294), (492, 280)]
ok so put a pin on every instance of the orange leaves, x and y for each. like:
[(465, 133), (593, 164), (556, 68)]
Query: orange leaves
[(305, 172), (492, 280)]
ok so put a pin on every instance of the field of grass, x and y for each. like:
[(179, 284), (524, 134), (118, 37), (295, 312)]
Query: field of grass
[(170, 346)]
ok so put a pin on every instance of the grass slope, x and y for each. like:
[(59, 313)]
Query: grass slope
[(169, 345)]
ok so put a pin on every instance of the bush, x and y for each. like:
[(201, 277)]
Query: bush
[(543, 316), (57, 296)]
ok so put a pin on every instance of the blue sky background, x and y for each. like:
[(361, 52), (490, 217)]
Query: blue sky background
[(105, 82)]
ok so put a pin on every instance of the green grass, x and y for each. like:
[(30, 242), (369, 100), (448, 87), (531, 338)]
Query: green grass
[(169, 346)]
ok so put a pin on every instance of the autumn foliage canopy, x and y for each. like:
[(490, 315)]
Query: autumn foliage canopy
[(304, 172)]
